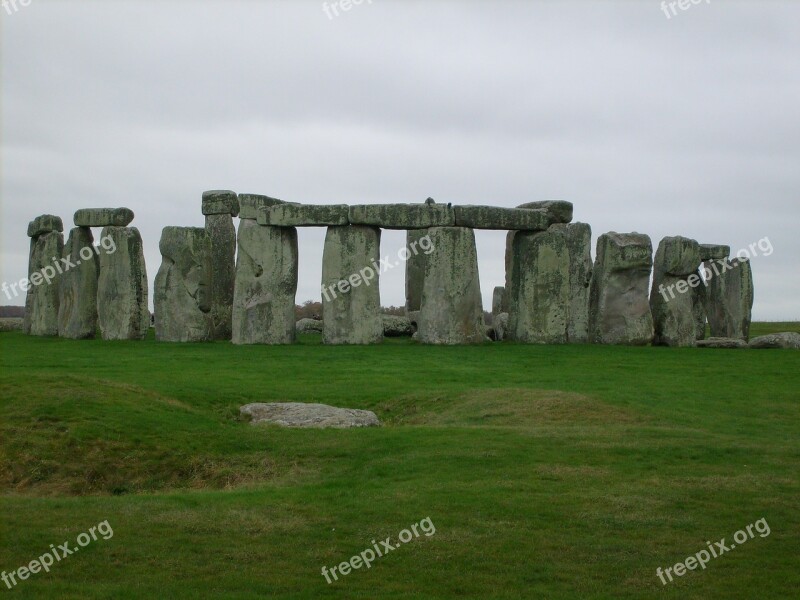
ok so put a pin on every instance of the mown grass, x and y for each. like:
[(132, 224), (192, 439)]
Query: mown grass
[(554, 472)]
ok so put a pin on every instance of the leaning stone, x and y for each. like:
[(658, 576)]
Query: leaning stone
[(415, 271), (182, 290), (496, 217), (41, 302), (619, 311), (538, 299), (499, 300), (122, 311), (729, 297), (222, 236), (714, 252), (579, 245), (351, 300), (672, 298), (559, 211), (266, 284), (77, 306), (403, 216), (315, 416), (251, 205), (451, 308), (304, 215), (103, 217), (394, 326), (44, 224), (308, 326), (717, 342), (788, 340), (220, 202)]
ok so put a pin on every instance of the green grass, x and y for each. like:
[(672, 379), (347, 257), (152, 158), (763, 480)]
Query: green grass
[(548, 471)]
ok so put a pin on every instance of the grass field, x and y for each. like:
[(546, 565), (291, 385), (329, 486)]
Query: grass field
[(548, 472)]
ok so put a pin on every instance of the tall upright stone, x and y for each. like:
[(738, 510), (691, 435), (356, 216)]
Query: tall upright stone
[(44, 266), (451, 310), (538, 299), (122, 310), (709, 253), (266, 284), (415, 274), (619, 311), (730, 297), (77, 307), (499, 304), (219, 208), (579, 245), (351, 299), (673, 297), (182, 294)]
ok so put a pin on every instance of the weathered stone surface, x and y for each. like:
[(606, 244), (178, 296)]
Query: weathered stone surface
[(619, 310), (220, 202), (787, 340), (266, 284), (41, 302), (415, 271), (222, 237), (497, 217), (729, 297), (394, 326), (182, 290), (403, 216), (122, 311), (304, 215), (351, 300), (11, 324), (499, 304), (251, 205), (308, 326), (672, 298), (451, 308), (44, 224), (559, 211), (714, 251), (538, 299), (500, 326), (699, 309), (579, 245), (717, 342), (103, 217), (317, 416), (77, 306)]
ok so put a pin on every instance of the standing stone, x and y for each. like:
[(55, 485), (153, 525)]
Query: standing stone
[(699, 299), (538, 300), (451, 309), (122, 311), (219, 208), (266, 284), (619, 310), (673, 297), (182, 290), (730, 297), (77, 307), (41, 302), (579, 245), (499, 304), (351, 299), (415, 273)]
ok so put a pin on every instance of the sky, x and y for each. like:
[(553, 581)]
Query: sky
[(666, 124)]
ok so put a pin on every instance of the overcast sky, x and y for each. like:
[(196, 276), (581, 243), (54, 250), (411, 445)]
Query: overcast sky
[(688, 125)]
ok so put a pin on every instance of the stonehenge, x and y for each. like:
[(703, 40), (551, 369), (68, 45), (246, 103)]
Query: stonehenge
[(219, 283)]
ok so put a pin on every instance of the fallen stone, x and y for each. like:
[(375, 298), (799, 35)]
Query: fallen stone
[(41, 302), (714, 252), (182, 289), (309, 326), (77, 305), (304, 215), (451, 309), (251, 205), (351, 300), (559, 211), (103, 217), (44, 224), (402, 216), (619, 310), (308, 416), (672, 298), (220, 202), (122, 311), (729, 301), (266, 284), (787, 340), (718, 342), (222, 237), (496, 217), (395, 326)]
